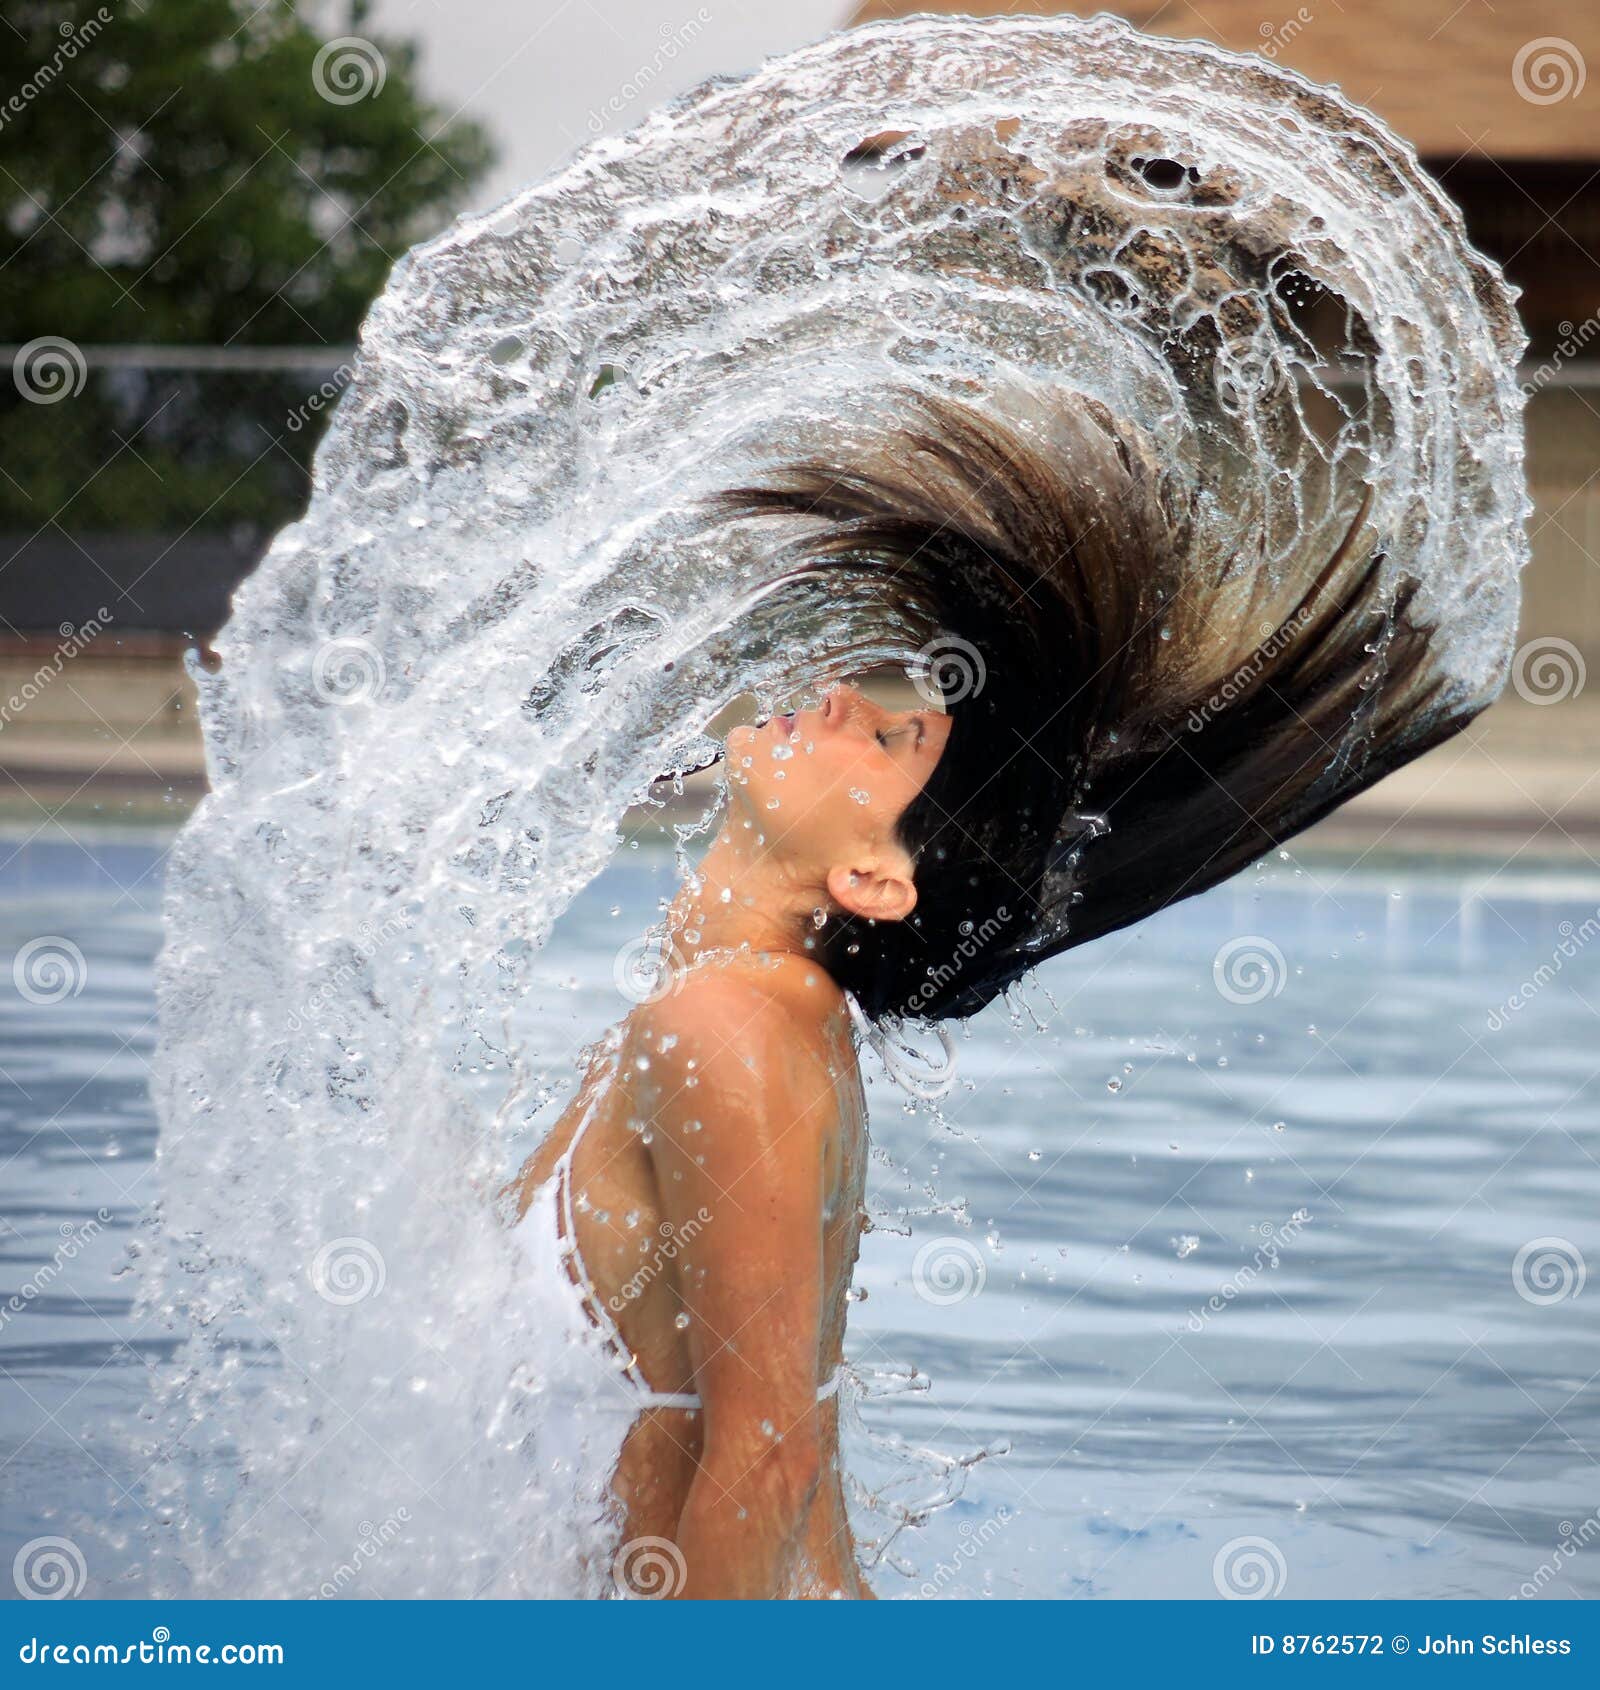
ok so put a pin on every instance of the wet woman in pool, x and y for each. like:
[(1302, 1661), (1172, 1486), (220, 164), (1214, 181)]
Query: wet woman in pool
[(702, 1195)]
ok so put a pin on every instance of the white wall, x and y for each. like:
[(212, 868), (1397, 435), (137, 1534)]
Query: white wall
[(547, 75)]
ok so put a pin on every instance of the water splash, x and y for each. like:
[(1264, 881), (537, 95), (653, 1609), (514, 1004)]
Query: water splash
[(501, 617)]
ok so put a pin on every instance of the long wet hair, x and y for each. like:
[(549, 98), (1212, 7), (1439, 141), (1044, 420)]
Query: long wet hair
[(1122, 736)]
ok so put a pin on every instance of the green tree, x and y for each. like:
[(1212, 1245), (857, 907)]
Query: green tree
[(211, 171), (195, 173)]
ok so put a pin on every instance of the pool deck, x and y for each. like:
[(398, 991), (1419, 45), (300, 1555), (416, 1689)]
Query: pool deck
[(116, 737)]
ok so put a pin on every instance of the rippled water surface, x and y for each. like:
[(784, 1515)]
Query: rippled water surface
[(1217, 1269)]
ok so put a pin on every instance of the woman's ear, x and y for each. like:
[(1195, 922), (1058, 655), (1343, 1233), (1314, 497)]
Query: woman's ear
[(879, 888)]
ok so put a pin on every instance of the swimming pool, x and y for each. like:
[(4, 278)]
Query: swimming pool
[(1274, 1271)]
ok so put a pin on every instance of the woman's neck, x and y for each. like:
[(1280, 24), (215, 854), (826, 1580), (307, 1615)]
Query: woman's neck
[(740, 897)]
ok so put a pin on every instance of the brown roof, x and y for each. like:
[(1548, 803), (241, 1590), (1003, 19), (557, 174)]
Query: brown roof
[(1440, 72)]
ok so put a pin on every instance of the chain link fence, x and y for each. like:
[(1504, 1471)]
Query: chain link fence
[(148, 481)]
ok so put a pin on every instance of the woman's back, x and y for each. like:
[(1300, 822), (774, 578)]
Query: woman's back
[(708, 1180)]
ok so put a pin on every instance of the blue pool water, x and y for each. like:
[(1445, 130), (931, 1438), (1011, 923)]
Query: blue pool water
[(1238, 1289)]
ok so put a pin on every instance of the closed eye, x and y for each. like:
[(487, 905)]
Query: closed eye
[(884, 735)]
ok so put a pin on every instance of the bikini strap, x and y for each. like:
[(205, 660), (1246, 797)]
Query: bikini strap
[(688, 1399)]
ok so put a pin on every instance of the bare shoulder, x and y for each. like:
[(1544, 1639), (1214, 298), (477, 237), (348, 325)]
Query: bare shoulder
[(728, 1005), (737, 1040)]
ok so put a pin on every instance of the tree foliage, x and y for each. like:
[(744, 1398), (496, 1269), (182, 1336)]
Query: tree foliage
[(189, 171)]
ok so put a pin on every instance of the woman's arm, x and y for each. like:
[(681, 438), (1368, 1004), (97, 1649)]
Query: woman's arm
[(741, 1115)]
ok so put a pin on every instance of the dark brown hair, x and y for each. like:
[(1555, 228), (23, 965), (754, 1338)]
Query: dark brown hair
[(1128, 736)]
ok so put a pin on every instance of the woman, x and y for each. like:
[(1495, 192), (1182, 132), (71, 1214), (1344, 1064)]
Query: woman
[(915, 861)]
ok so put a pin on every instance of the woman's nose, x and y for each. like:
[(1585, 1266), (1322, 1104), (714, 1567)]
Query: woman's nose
[(841, 703)]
